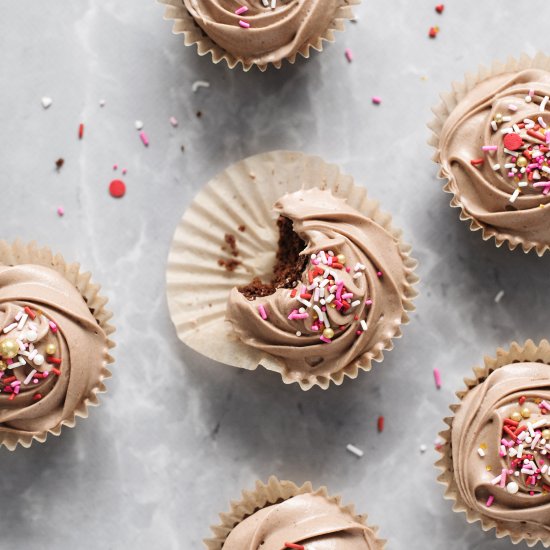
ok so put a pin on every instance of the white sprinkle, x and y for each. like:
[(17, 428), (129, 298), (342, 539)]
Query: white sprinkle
[(423, 448), (354, 450), (506, 130), (522, 184), (516, 128), (138, 124), (29, 377), (528, 99), (499, 296), (273, 4), (9, 328), (46, 102), (32, 354), (329, 298), (512, 107), (506, 118), (19, 315), (298, 333), (481, 452), (22, 321), (494, 125), (15, 365), (199, 84), (496, 167), (363, 325), (543, 103), (31, 336), (546, 169), (302, 301), (355, 303), (102, 103), (357, 275), (542, 122)]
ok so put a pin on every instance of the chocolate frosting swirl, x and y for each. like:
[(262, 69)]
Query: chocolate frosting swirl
[(496, 193), (273, 35), (477, 429), (308, 520), (375, 283), (45, 399)]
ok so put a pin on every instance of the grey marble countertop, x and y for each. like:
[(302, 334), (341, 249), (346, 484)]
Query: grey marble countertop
[(178, 436)]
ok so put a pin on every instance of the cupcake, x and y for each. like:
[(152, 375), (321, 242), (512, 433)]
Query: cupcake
[(281, 515), (496, 459), (258, 32), (314, 285), (492, 136), (53, 344)]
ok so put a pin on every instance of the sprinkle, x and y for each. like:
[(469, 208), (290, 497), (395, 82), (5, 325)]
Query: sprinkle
[(423, 448), (174, 121), (138, 124), (364, 325), (117, 189), (80, 131), (515, 195), (496, 167), (376, 100), (349, 54), (380, 424), (354, 450), (432, 33), (30, 312), (325, 340), (46, 102), (263, 313), (490, 501), (244, 24), (199, 84), (512, 107), (53, 326), (437, 378), (9, 328), (489, 148), (102, 103), (294, 546), (439, 8), (60, 211), (144, 138), (477, 162), (22, 321), (29, 377), (481, 452), (241, 10), (499, 296)]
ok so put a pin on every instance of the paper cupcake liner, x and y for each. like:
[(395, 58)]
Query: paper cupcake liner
[(273, 492), (243, 194), (531, 352), (449, 100), (185, 24), (19, 253)]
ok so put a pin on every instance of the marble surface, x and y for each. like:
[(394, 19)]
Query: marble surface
[(178, 436)]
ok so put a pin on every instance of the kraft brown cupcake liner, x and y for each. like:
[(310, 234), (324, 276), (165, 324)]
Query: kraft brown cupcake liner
[(441, 112), (243, 195), (527, 352), (273, 492), (20, 253), (185, 24)]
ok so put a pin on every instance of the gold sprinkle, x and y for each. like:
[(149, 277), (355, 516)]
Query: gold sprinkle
[(489, 468), (483, 446)]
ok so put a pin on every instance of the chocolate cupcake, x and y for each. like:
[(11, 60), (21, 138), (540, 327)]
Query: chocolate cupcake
[(281, 515), (313, 283), (496, 459), (492, 136), (54, 344), (258, 32)]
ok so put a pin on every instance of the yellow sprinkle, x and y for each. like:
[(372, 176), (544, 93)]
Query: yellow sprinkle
[(489, 468), (483, 446)]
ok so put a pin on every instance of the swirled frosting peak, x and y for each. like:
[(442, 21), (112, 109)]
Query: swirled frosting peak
[(495, 149), (501, 449), (347, 301), (52, 350), (256, 32), (308, 521)]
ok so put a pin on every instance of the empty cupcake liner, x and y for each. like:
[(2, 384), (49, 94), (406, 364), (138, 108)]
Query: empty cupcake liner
[(243, 196), (272, 492), (19, 253), (185, 24), (449, 100), (527, 352)]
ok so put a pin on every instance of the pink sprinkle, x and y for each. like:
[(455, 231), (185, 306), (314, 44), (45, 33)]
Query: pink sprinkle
[(347, 295), (60, 211), (546, 405), (349, 54), (379, 273), (512, 107), (241, 10), (490, 501), (437, 378), (503, 478), (348, 269), (489, 148), (531, 92), (124, 171), (173, 121), (53, 326), (244, 24), (368, 302), (547, 135), (263, 313), (358, 332), (326, 340), (144, 138), (376, 100), (115, 166)]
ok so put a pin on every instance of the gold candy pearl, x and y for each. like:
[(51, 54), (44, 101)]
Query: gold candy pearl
[(522, 162), (341, 259), (51, 349), (516, 417), (328, 333), (546, 434), (3, 366), (498, 118), (525, 412), (9, 348)]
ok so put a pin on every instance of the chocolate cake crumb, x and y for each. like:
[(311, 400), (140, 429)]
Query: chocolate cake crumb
[(231, 240), (230, 265), (59, 164), (289, 265), (242, 228)]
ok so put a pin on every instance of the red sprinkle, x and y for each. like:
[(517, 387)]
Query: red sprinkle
[(56, 371), (439, 8), (81, 131), (294, 546), (477, 162), (117, 188), (433, 32), (54, 360), (512, 141), (37, 397), (380, 424), (30, 313), (522, 400)]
